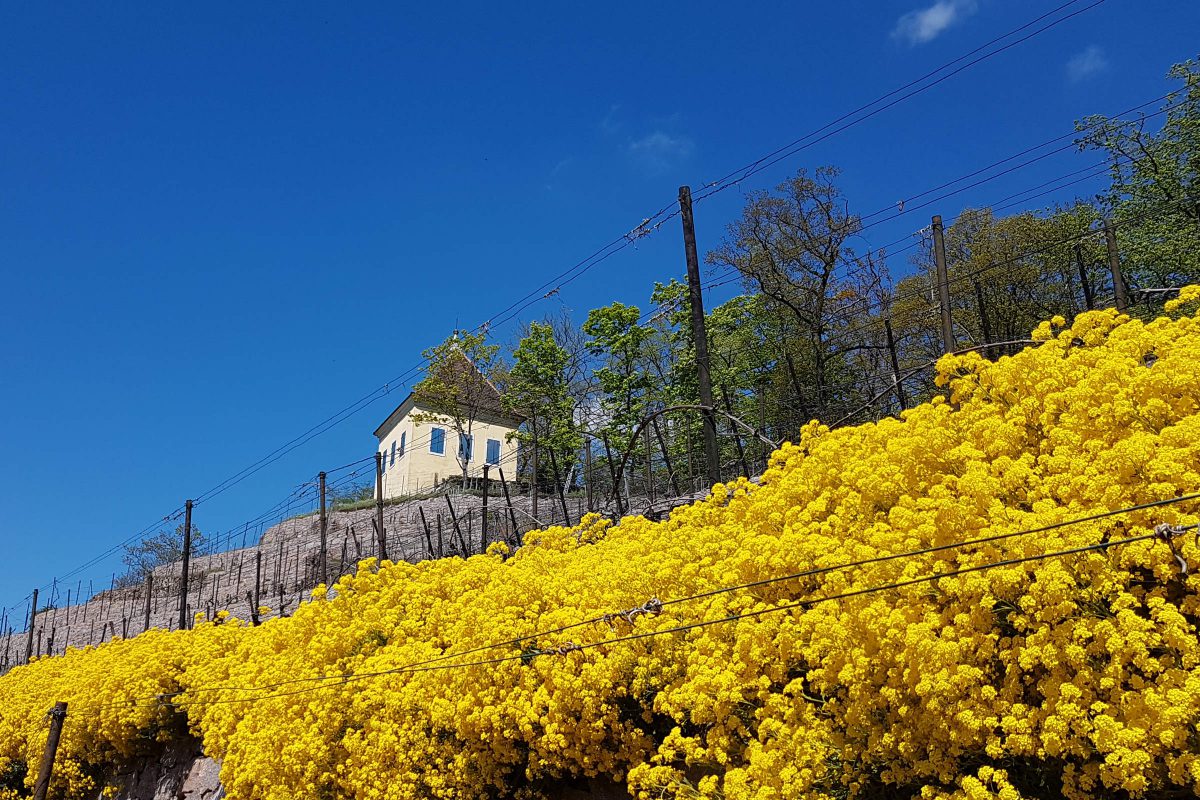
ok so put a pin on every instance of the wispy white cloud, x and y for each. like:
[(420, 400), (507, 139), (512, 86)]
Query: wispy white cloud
[(1086, 64), (926, 24), (660, 150), (611, 123)]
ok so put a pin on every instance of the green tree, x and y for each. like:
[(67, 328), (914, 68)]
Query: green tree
[(539, 388), (1005, 275), (618, 339), (794, 248), (1155, 194), (458, 385)]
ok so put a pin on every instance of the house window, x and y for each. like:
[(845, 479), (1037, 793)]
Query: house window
[(466, 444), (403, 437), (437, 441), (393, 463), (493, 451)]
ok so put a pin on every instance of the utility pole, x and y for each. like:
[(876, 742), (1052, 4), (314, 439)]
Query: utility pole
[(187, 557), (699, 336), (1114, 266), (379, 506), (324, 532), (29, 635), (943, 281), (57, 715)]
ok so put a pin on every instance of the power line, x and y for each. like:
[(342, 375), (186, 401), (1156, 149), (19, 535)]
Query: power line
[(825, 132)]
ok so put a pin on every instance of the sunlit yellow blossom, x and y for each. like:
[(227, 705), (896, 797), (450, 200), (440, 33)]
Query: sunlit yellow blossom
[(1079, 672)]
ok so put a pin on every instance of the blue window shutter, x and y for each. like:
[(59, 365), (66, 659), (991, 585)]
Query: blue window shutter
[(465, 447), (437, 441), (403, 437), (493, 451), (393, 455)]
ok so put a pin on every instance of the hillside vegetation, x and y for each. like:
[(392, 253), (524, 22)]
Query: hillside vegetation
[(1073, 675)]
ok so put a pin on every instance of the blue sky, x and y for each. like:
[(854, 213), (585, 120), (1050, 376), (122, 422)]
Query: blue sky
[(221, 224)]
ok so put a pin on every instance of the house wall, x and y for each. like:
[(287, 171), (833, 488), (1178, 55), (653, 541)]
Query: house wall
[(420, 470)]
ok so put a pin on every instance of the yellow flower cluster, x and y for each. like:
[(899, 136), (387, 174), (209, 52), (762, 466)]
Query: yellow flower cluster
[(1075, 676)]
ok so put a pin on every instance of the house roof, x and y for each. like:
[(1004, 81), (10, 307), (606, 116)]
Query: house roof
[(482, 395)]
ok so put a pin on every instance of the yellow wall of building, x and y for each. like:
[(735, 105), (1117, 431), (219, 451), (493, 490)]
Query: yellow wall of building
[(420, 470)]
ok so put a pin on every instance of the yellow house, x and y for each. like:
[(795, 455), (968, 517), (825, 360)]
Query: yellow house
[(419, 454)]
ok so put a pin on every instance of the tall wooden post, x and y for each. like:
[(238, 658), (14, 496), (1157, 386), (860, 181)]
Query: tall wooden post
[(891, 343), (32, 620), (379, 506), (483, 524), (699, 336), (149, 594), (257, 584), (1120, 291), (187, 557), (943, 282), (58, 715), (324, 567)]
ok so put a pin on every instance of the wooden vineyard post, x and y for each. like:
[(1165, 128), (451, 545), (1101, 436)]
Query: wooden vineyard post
[(32, 620), (187, 555), (57, 715)]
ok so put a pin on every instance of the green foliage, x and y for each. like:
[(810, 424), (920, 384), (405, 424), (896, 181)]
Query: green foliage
[(539, 389), (617, 339), (457, 387), (1155, 185)]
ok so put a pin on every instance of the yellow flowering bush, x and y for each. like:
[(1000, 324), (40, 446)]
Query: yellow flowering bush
[(1075, 676)]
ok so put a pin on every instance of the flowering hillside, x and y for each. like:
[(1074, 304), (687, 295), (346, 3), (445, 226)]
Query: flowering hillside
[(1039, 666)]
